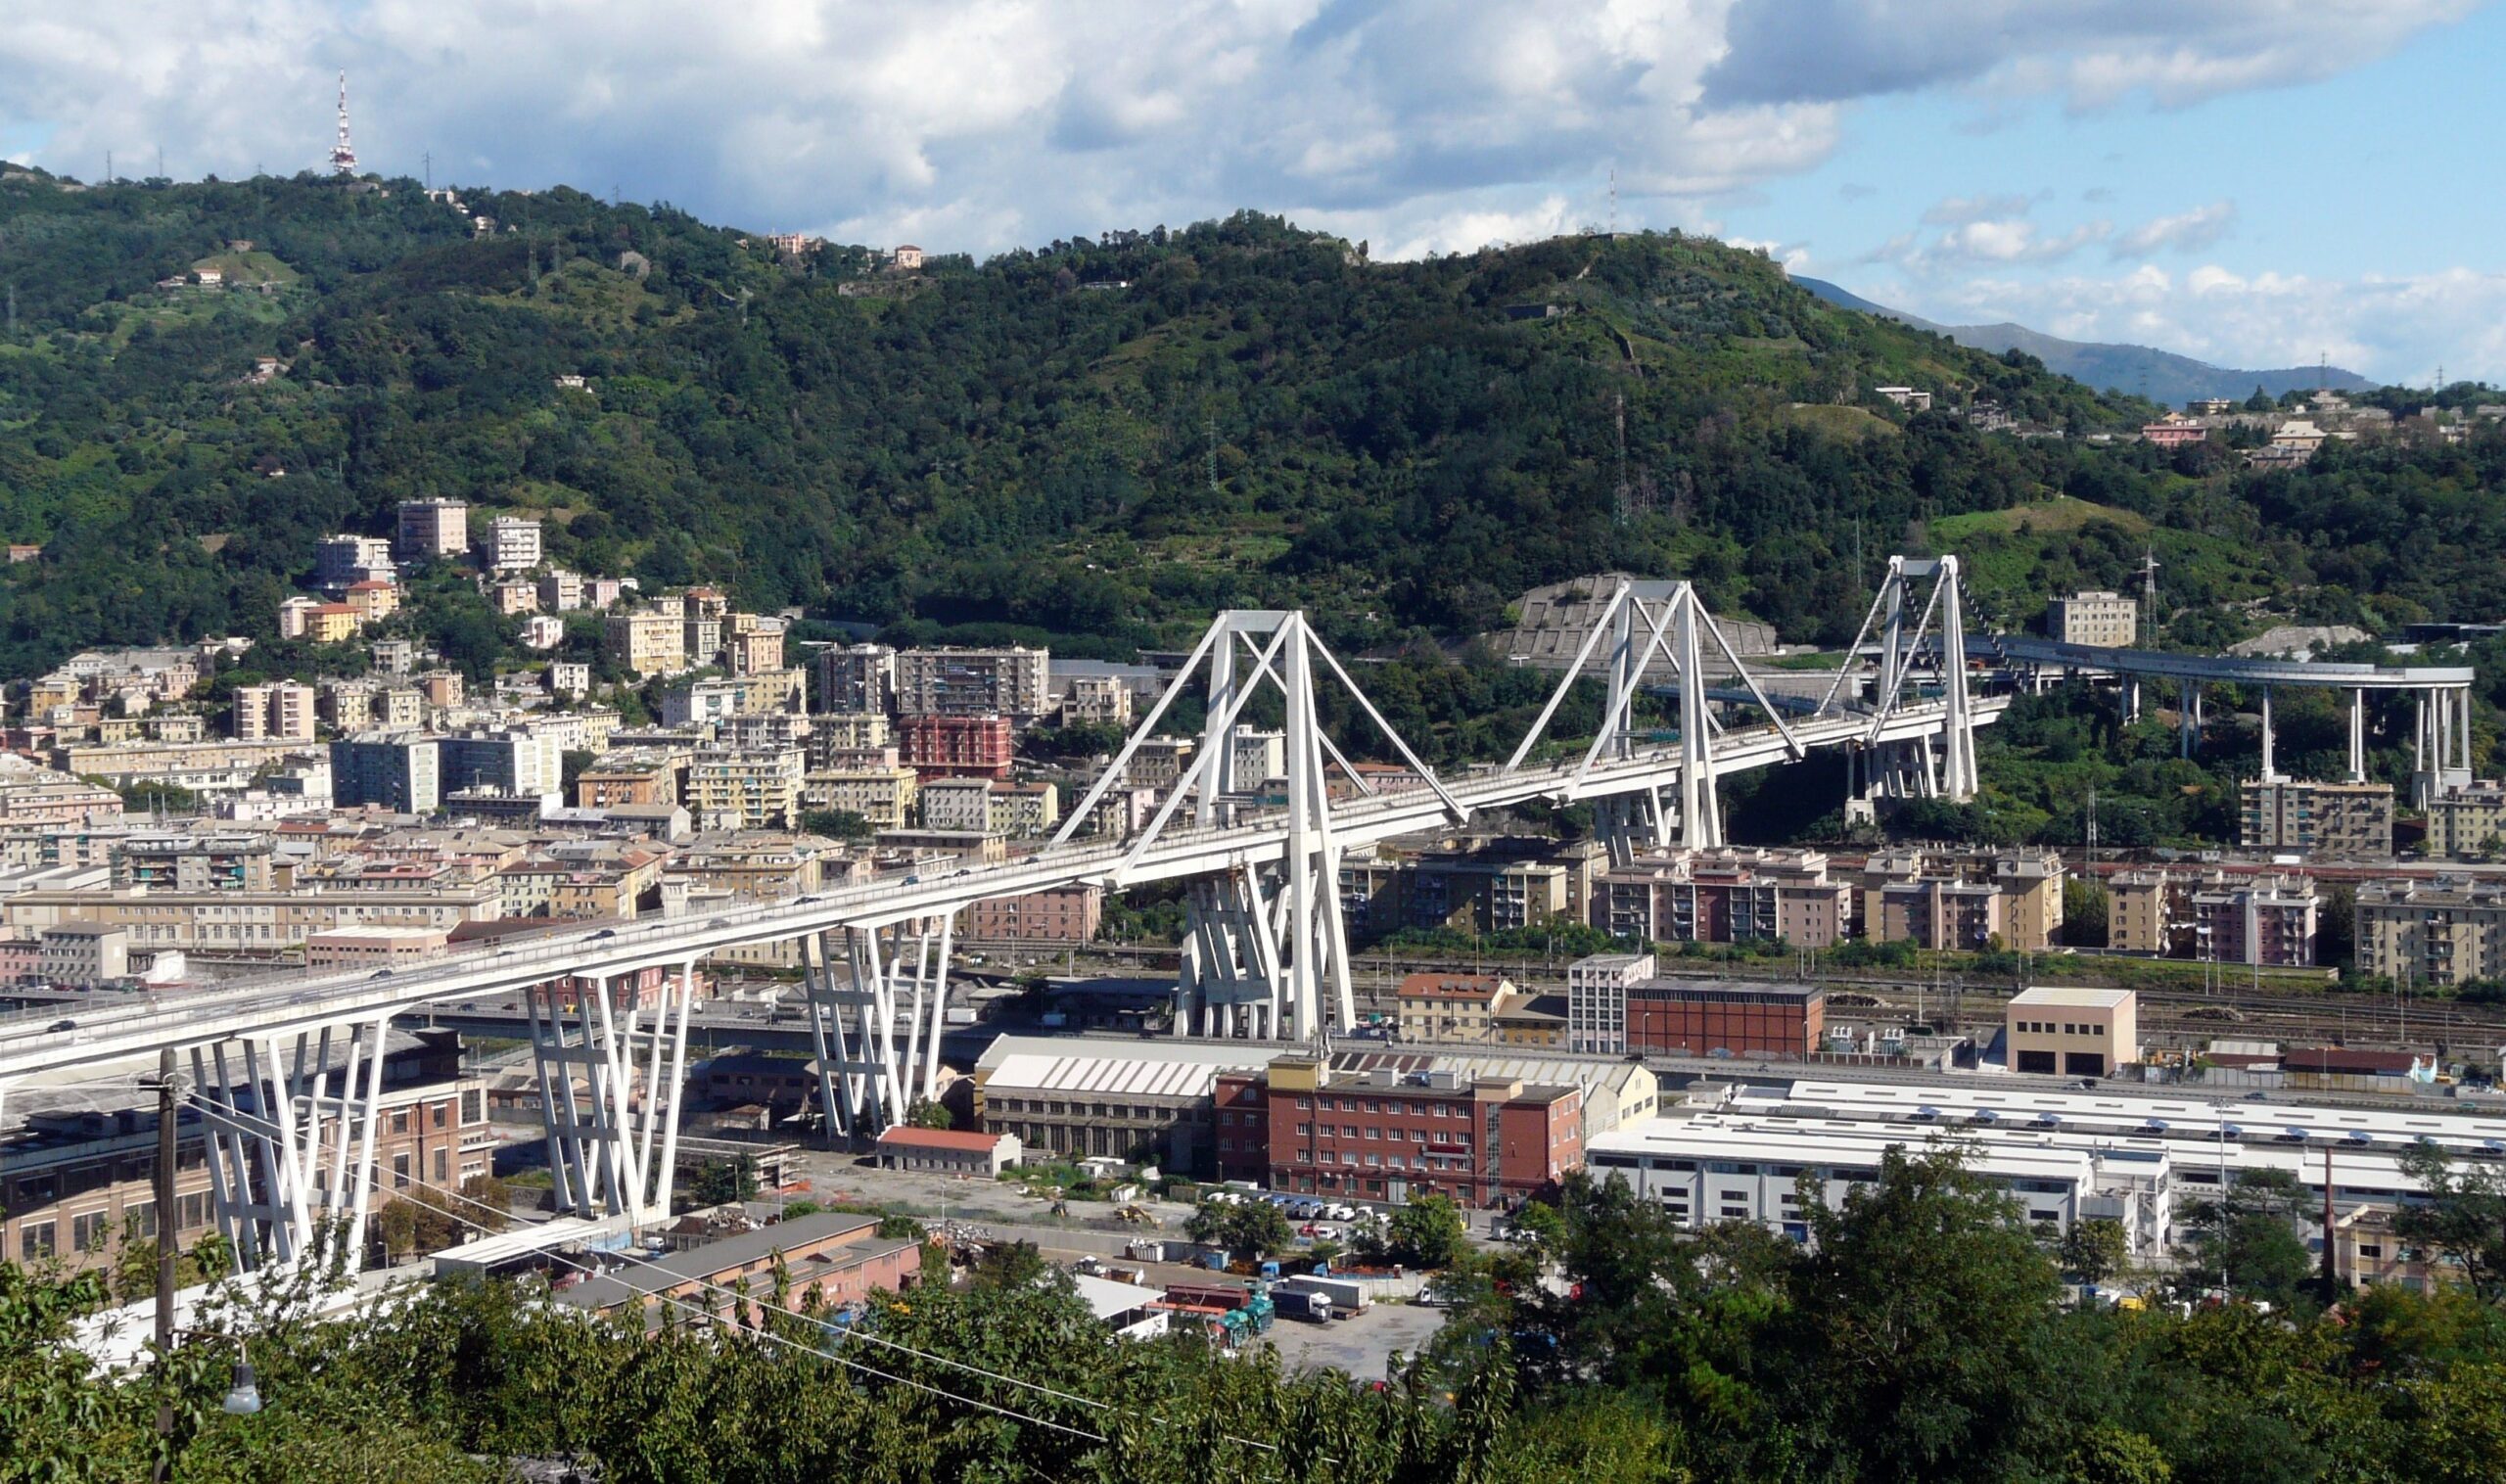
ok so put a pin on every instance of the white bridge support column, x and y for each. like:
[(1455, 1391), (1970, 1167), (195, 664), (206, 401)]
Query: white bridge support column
[(1266, 946), (2357, 735), (2188, 718), (612, 1082), (2270, 766), (1941, 766), (875, 1021), (289, 1124)]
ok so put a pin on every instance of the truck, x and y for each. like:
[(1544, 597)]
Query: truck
[(1345, 1295), (1297, 1304), (1210, 1295)]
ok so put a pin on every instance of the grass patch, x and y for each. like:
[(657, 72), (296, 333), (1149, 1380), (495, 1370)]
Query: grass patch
[(2060, 512)]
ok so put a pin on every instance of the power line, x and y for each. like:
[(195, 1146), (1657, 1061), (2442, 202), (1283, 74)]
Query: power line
[(848, 1333)]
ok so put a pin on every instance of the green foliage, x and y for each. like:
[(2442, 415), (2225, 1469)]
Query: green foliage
[(721, 1181), (1425, 1233), (1249, 1228), (2463, 1220), (927, 1114), (836, 824)]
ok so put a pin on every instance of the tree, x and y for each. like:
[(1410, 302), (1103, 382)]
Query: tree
[(723, 1181), (1247, 1228), (1912, 1323), (1427, 1233), (925, 1113), (2094, 1250), (1537, 1225), (2248, 1241), (2463, 1219), (836, 824)]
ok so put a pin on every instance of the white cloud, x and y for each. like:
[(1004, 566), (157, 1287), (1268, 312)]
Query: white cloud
[(2091, 51), (2396, 329), (1959, 209), (2188, 232)]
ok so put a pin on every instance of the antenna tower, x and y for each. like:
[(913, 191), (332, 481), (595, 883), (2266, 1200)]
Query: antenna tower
[(1613, 201), (1209, 435), (2149, 596), (1618, 416), (342, 153)]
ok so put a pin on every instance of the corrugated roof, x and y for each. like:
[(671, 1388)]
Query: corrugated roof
[(1107, 1075)]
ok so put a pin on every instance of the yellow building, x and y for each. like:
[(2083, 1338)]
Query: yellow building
[(2073, 1032), (645, 642), (886, 797)]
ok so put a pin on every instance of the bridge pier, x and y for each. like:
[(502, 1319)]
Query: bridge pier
[(2357, 734), (611, 1152), (2188, 718), (290, 1141), (868, 1077), (2270, 769)]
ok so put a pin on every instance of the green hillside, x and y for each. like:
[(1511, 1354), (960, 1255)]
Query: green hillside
[(1100, 441)]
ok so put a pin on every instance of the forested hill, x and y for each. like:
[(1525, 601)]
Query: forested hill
[(1101, 439)]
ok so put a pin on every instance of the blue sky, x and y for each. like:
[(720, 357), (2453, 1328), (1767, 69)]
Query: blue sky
[(2256, 182)]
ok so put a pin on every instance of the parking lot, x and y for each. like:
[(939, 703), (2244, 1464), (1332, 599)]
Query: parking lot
[(1362, 1346)]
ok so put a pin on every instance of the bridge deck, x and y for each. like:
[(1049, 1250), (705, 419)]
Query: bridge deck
[(27, 1047)]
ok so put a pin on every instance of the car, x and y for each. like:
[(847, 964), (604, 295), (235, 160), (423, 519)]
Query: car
[(719, 922), (604, 933), (380, 974), (65, 1025), (910, 881), (1339, 1211), (808, 900)]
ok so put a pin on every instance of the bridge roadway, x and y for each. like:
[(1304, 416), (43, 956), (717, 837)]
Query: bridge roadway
[(2224, 670), (29, 1047)]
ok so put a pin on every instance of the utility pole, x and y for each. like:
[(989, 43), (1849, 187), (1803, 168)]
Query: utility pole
[(429, 158), (166, 1228)]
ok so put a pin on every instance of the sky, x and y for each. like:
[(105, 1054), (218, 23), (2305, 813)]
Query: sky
[(2258, 183)]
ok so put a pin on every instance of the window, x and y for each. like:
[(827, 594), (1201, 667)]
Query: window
[(1305, 1130), (1375, 1132), (1348, 1131), (87, 1232), (443, 1166), (399, 1170), (192, 1212), (442, 1112), (34, 1241), (142, 1216)]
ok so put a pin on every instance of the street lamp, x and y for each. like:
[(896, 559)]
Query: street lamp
[(243, 1389)]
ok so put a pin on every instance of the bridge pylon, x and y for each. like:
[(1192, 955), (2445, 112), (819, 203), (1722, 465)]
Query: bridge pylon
[(1941, 766), (1266, 947), (1657, 635)]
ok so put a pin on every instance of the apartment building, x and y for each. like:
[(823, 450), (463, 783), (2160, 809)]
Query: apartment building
[(282, 712), (2268, 920), (1729, 894), (2467, 821), (1963, 900), (746, 787), (1068, 915), (1447, 1007), (246, 921), (560, 590), (886, 797), (341, 560), (1011, 683), (399, 772), (646, 642), (857, 679), (430, 529), (755, 651), (196, 862), (2109, 620), (2143, 913), (633, 775), (2442, 932), (2338, 820), (1097, 701), (958, 747), (513, 543)]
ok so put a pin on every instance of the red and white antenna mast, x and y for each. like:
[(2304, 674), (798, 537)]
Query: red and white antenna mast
[(343, 154)]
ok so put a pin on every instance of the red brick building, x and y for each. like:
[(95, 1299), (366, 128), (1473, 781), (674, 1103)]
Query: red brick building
[(1699, 1019), (1062, 915), (956, 747), (1386, 1135)]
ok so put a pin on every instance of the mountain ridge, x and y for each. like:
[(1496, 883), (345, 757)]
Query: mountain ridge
[(2163, 376)]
